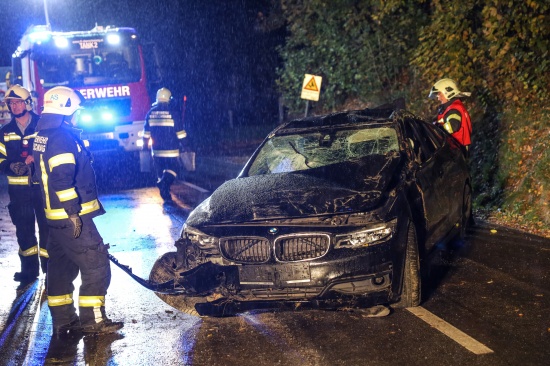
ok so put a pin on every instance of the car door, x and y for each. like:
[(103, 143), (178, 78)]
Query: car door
[(431, 180), (455, 168)]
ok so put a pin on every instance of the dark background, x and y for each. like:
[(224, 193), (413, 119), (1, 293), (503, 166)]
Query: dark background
[(211, 51)]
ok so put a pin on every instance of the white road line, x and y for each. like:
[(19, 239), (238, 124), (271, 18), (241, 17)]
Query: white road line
[(455, 334), (200, 189)]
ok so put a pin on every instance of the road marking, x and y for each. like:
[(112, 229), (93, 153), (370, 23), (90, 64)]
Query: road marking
[(455, 334), (200, 189)]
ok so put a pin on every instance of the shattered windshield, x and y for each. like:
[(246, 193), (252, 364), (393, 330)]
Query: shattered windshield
[(97, 62), (308, 150)]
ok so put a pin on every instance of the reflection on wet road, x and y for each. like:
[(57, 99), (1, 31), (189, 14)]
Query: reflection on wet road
[(494, 289)]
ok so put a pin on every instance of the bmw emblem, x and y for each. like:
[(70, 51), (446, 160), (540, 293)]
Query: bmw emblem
[(273, 230)]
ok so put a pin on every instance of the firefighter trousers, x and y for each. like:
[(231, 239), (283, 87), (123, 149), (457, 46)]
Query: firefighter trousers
[(87, 255), (166, 169), (26, 209)]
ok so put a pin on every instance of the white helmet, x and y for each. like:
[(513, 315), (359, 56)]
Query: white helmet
[(448, 88), (62, 100), (17, 92), (163, 95)]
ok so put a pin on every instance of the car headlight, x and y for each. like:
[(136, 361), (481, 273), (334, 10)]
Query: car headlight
[(199, 238), (367, 237)]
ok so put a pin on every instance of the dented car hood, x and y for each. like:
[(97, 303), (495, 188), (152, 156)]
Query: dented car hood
[(347, 187)]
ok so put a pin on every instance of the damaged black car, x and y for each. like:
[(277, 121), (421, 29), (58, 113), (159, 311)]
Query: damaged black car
[(329, 212)]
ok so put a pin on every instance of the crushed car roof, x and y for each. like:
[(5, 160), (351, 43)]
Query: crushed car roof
[(385, 113)]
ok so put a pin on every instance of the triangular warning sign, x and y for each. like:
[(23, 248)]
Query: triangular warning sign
[(311, 85)]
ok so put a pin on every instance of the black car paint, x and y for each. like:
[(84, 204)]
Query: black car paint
[(331, 190), (412, 185)]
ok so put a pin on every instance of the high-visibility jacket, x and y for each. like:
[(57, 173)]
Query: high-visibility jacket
[(454, 117), (163, 124), (15, 146), (64, 169)]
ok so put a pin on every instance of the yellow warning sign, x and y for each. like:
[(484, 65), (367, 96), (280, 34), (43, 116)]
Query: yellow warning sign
[(311, 87)]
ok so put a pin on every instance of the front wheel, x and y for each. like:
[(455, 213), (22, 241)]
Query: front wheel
[(411, 277)]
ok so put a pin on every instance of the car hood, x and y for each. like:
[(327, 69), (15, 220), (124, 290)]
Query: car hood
[(348, 187)]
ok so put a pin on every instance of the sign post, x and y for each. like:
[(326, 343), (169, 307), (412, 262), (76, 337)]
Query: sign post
[(311, 88)]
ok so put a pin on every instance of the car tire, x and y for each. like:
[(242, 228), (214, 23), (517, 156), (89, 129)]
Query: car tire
[(466, 211), (411, 276), (167, 268)]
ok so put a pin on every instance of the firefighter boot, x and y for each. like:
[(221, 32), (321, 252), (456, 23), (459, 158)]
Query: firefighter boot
[(64, 317), (29, 270), (91, 326), (164, 186), (104, 327), (73, 326)]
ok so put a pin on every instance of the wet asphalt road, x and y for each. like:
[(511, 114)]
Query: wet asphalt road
[(490, 305)]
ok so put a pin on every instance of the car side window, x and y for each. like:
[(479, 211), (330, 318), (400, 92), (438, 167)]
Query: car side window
[(428, 147), (440, 134), (413, 141), (437, 137), (423, 146)]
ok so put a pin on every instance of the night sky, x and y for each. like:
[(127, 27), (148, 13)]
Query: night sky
[(209, 50)]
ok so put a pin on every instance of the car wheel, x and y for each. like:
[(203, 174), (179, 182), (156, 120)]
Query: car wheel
[(167, 268), (466, 210), (411, 277)]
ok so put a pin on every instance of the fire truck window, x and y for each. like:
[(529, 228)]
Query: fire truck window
[(54, 69), (76, 66), (116, 63)]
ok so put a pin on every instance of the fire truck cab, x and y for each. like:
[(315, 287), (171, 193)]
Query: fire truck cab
[(106, 64), (5, 115)]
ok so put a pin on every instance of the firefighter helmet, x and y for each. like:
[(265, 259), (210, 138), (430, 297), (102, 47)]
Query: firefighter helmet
[(17, 92), (164, 95), (449, 89), (62, 100)]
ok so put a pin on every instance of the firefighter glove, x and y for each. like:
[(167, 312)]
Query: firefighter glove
[(19, 168), (77, 224)]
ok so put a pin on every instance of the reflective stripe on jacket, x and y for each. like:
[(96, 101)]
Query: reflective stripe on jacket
[(67, 179), (163, 124), (456, 110), (15, 147)]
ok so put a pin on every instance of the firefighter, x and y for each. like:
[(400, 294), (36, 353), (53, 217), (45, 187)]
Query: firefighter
[(163, 125), (25, 207), (451, 114), (67, 179)]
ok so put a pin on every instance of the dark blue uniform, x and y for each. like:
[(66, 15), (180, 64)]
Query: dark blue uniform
[(67, 179), (164, 126), (25, 207)]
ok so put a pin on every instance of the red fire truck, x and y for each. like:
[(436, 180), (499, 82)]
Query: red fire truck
[(106, 64), (5, 115)]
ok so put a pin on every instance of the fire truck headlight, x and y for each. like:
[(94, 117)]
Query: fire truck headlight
[(85, 118), (107, 116), (113, 39), (139, 143), (61, 42), (39, 36)]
